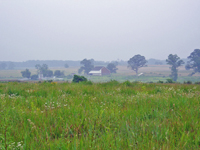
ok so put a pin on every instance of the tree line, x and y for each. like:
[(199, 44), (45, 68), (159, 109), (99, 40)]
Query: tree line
[(139, 61), (134, 63), (174, 61), (42, 70)]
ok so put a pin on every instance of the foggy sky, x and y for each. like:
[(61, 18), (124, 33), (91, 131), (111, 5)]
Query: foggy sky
[(99, 29)]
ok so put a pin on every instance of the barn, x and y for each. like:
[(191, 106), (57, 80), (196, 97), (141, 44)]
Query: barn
[(99, 71)]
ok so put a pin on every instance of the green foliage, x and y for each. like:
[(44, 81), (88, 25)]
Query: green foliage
[(26, 73), (169, 81), (50, 81), (87, 66), (87, 82), (109, 115), (137, 62), (160, 81), (187, 82), (78, 79), (127, 83), (194, 61), (175, 62), (112, 67)]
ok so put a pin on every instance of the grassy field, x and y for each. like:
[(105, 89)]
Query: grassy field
[(151, 73), (88, 115)]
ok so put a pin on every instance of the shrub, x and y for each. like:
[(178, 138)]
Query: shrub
[(34, 77), (160, 81), (77, 79), (187, 82), (26, 73), (50, 81), (169, 81), (127, 83)]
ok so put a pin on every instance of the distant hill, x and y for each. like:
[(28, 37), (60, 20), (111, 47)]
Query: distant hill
[(72, 63)]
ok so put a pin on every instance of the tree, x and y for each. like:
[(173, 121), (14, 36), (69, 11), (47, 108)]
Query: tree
[(11, 65), (41, 69), (115, 63), (77, 79), (58, 73), (26, 73), (175, 62), (37, 66), (44, 70), (194, 61), (66, 65), (112, 67), (3, 66), (87, 66), (137, 62)]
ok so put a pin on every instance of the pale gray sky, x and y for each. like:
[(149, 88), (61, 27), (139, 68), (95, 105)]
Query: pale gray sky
[(99, 29)]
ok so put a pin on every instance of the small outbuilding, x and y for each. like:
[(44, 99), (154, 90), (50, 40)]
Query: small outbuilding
[(99, 71)]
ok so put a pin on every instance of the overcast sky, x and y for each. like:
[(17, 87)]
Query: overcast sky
[(99, 29)]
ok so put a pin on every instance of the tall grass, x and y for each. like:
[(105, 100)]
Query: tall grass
[(113, 115)]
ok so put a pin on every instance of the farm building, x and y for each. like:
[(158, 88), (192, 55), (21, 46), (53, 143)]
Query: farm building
[(99, 71)]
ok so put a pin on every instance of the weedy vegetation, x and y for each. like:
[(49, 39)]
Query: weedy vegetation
[(112, 115)]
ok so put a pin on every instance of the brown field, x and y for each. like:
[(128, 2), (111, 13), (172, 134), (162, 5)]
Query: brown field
[(154, 70)]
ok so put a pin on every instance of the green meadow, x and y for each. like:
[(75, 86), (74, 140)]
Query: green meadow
[(110, 115)]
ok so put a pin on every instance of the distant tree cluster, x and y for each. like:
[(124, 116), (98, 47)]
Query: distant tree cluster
[(193, 63), (42, 70), (8, 66), (135, 63), (3, 66), (59, 73), (174, 61)]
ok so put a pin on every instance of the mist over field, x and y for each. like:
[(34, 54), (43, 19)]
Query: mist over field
[(102, 30)]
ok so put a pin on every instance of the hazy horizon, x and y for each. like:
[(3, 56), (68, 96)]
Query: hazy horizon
[(102, 30)]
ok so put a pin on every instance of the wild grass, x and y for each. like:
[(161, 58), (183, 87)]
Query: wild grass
[(113, 115)]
